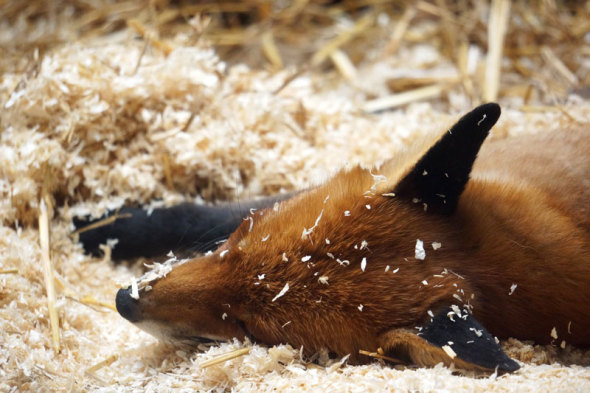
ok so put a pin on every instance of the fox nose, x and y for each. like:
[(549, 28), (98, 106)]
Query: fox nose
[(127, 306)]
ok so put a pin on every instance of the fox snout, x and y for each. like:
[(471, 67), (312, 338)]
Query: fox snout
[(127, 306), (180, 308)]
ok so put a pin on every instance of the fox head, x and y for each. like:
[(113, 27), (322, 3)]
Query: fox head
[(339, 266)]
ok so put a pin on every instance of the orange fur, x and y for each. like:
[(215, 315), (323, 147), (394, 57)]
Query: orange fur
[(523, 219)]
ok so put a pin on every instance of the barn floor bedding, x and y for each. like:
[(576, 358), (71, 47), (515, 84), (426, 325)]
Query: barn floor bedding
[(90, 125)]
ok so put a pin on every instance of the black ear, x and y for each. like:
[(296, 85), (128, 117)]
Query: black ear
[(439, 178), (463, 336)]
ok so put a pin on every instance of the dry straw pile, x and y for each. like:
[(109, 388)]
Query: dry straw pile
[(111, 102)]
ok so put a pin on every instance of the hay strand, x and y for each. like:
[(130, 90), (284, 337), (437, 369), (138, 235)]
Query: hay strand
[(91, 371), (399, 30), (463, 66), (395, 100), (554, 62), (49, 278), (92, 301), (377, 355), (324, 52), (497, 25), (343, 64), (227, 356), (87, 300), (270, 50), (105, 363), (150, 37), (102, 223)]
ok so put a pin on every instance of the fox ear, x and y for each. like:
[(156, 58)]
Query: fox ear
[(450, 338), (440, 176)]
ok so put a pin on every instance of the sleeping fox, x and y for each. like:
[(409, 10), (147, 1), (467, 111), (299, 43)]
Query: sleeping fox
[(426, 259)]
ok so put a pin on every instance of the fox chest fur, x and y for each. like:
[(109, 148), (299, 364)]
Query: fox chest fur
[(421, 257)]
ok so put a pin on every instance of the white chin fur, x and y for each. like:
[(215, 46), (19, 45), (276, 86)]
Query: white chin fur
[(168, 334)]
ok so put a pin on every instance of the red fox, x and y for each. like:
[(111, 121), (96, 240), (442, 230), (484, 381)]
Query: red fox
[(425, 259)]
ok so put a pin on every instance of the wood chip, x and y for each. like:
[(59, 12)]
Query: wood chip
[(283, 291), (449, 351)]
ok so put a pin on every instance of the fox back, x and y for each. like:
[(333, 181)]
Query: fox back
[(426, 258)]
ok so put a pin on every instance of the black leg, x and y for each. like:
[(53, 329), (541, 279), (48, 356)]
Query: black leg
[(185, 228)]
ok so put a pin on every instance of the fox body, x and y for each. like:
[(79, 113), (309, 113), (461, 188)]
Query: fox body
[(427, 257)]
